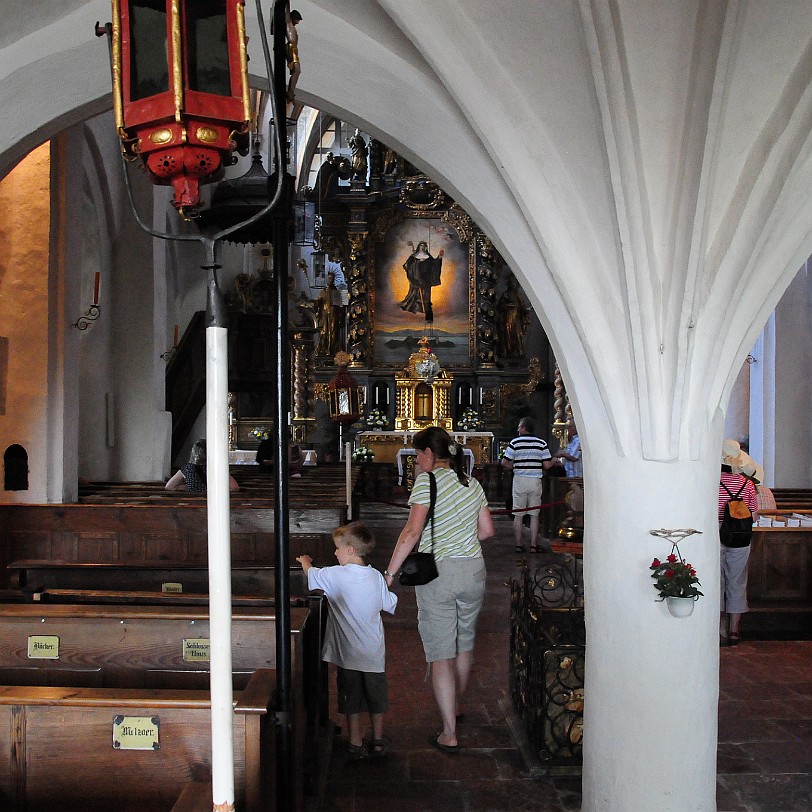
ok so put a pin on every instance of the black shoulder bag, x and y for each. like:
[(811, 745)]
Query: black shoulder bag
[(421, 568)]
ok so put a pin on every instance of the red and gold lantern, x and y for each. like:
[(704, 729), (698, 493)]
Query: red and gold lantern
[(344, 393), (180, 88)]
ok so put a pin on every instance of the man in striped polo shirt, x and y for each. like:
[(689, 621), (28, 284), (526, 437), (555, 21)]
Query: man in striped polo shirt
[(528, 457)]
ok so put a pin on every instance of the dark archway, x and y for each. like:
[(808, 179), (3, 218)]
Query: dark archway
[(15, 467)]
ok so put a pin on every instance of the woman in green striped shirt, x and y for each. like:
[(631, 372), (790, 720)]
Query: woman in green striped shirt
[(449, 605)]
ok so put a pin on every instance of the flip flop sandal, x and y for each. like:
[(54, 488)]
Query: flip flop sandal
[(434, 741), (379, 747), (357, 751)]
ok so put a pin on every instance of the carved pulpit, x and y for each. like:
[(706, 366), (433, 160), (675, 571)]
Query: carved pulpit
[(423, 392)]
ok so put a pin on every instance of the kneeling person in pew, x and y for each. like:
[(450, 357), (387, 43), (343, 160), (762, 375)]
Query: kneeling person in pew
[(192, 477), (354, 640)]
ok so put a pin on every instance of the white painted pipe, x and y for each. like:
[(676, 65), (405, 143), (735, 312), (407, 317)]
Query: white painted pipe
[(348, 467), (222, 706)]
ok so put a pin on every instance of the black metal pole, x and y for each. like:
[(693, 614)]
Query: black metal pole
[(284, 751)]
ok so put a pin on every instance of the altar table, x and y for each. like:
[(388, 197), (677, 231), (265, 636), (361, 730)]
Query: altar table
[(385, 445)]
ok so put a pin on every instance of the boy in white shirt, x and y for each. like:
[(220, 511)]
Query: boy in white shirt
[(354, 639)]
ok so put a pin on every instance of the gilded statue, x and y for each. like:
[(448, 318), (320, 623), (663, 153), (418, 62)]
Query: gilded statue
[(292, 19), (514, 318), (330, 315), (359, 155)]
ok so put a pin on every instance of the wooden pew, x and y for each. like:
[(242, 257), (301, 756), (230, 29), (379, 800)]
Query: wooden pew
[(57, 751), (780, 563), (152, 534), (126, 649), (789, 499), (147, 576), (196, 797), (322, 488), (135, 646)]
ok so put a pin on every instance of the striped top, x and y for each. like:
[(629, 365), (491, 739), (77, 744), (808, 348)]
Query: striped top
[(733, 482), (455, 515), (528, 454)]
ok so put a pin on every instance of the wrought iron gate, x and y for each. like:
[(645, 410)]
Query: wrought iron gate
[(547, 651)]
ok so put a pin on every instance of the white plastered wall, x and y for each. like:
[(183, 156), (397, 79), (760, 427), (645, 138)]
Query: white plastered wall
[(793, 384)]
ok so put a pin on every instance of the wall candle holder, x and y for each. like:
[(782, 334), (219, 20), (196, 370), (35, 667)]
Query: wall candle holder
[(94, 311), (83, 322)]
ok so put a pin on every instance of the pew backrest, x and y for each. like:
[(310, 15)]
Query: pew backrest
[(60, 751), (151, 576), (136, 647)]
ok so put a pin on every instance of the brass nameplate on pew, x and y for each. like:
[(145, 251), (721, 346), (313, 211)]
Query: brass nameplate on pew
[(196, 649), (136, 733), (171, 587), (42, 646)]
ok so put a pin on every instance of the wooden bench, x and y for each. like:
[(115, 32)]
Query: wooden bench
[(793, 499), (322, 489), (151, 649), (135, 598), (196, 797), (780, 564), (149, 576), (136, 646), (58, 751), (153, 534)]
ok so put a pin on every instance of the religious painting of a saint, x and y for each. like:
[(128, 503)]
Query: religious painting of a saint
[(422, 289)]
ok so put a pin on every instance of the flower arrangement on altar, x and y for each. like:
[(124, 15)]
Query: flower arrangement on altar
[(376, 419), (362, 454), (470, 421), (260, 433), (675, 577)]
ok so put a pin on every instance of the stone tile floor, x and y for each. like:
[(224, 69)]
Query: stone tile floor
[(765, 719)]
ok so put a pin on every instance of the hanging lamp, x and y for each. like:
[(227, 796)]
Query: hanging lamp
[(180, 89)]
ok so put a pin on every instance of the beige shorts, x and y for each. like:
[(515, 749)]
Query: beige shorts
[(527, 493), (448, 607)]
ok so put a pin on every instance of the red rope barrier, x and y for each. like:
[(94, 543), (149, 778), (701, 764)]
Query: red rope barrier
[(524, 510), (493, 512)]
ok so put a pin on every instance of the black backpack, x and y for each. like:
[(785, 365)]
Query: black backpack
[(736, 529)]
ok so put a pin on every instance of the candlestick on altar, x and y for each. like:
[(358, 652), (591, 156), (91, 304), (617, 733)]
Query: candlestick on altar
[(175, 344), (96, 283)]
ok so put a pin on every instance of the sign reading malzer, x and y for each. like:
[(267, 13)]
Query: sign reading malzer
[(43, 647), (136, 733)]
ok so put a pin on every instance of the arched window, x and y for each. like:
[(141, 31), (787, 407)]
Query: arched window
[(15, 466)]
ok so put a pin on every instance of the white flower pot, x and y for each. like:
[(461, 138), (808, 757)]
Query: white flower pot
[(680, 607)]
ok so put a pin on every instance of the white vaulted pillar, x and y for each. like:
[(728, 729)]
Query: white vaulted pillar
[(651, 685)]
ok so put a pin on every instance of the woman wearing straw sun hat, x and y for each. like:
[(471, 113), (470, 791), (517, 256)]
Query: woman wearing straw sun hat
[(736, 482)]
